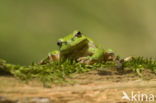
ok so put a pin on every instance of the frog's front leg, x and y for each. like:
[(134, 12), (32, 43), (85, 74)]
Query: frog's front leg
[(109, 55), (94, 55), (98, 55), (53, 56)]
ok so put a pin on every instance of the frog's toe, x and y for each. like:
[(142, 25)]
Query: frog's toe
[(128, 58), (82, 60), (89, 62), (85, 60)]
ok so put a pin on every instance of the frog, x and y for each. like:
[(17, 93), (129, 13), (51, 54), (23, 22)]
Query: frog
[(77, 46)]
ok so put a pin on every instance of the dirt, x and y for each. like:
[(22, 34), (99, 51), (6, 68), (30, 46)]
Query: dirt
[(98, 86)]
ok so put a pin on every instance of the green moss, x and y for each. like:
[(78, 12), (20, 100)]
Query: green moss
[(138, 64), (57, 71)]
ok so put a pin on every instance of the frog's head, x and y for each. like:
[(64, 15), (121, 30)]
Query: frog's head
[(72, 42)]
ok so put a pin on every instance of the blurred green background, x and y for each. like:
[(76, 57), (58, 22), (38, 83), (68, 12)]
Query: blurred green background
[(29, 29)]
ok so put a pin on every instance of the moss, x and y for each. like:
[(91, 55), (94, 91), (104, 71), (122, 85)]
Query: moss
[(57, 71), (138, 64), (3, 69)]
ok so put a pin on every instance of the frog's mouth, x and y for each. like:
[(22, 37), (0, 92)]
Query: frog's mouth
[(76, 48)]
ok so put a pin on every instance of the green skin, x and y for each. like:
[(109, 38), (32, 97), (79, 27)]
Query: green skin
[(77, 46)]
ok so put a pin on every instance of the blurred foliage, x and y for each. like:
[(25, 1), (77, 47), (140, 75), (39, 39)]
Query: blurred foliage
[(29, 29)]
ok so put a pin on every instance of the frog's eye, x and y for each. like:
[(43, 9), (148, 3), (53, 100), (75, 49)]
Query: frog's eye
[(59, 43), (78, 34)]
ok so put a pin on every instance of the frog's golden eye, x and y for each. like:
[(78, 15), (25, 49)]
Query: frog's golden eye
[(59, 43), (78, 34)]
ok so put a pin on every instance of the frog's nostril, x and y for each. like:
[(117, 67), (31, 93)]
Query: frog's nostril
[(59, 43)]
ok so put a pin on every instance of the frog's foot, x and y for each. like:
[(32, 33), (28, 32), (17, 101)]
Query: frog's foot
[(128, 58), (109, 56), (85, 60)]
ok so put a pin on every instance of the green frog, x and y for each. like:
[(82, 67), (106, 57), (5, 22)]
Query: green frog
[(76, 46)]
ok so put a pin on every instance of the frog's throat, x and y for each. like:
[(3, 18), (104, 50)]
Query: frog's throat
[(74, 50)]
